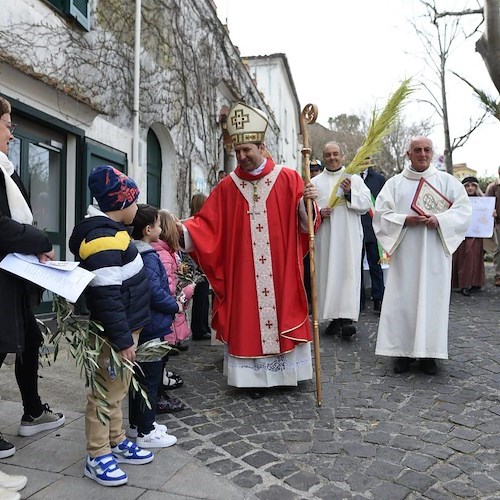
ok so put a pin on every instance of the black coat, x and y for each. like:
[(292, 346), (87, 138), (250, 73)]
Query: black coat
[(375, 183), (15, 309)]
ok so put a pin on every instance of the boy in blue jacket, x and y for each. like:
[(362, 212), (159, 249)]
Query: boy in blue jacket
[(163, 308), (118, 299)]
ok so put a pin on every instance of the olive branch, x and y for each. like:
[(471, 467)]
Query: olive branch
[(86, 344)]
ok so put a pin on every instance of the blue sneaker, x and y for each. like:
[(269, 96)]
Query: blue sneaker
[(129, 453), (104, 470)]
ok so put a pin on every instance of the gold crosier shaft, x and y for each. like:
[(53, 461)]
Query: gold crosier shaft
[(308, 116)]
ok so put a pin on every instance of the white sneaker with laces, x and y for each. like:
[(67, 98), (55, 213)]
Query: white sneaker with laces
[(132, 431), (156, 439)]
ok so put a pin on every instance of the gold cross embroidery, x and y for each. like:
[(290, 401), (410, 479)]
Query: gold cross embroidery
[(239, 119)]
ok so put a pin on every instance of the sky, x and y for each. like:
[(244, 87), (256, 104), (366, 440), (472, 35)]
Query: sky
[(347, 56)]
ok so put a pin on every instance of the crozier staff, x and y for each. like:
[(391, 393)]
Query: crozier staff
[(247, 239)]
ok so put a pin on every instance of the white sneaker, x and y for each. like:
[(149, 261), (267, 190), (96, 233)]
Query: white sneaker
[(9, 494), (132, 431), (14, 483), (156, 439), (104, 470)]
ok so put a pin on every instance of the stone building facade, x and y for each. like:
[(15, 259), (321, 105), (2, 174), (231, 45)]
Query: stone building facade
[(67, 66)]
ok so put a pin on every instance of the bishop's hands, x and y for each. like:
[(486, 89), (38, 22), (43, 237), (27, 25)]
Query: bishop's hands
[(431, 221), (310, 191)]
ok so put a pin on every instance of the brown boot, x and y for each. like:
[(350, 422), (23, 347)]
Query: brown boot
[(497, 281)]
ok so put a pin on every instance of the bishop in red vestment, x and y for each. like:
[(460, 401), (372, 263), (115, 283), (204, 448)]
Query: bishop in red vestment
[(249, 240)]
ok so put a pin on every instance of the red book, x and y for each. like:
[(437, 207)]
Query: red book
[(428, 200)]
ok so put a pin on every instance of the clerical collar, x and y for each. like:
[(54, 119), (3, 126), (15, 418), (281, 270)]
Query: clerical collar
[(415, 170), (334, 171), (410, 173), (259, 169)]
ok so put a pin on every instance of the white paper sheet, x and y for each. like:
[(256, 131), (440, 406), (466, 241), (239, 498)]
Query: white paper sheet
[(68, 283), (481, 224)]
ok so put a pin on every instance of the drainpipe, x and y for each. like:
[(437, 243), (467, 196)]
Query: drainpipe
[(137, 67)]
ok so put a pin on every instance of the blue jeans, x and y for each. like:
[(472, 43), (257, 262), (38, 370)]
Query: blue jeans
[(139, 414)]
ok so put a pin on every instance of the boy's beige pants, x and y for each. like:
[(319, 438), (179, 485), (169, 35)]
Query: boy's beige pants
[(101, 437)]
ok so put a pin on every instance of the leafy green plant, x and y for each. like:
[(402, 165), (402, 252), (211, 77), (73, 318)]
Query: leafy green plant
[(86, 343), (380, 125)]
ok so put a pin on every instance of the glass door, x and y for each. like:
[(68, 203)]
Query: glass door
[(38, 160)]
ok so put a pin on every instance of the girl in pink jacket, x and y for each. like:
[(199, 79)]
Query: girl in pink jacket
[(167, 248)]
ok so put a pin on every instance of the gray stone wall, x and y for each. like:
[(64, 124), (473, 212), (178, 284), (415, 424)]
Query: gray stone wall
[(186, 58)]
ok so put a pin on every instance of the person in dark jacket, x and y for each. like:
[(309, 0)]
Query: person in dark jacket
[(200, 324), (20, 333), (375, 182), (163, 308), (118, 299)]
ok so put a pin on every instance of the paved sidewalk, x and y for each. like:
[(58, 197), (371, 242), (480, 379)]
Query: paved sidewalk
[(378, 435), (54, 462)]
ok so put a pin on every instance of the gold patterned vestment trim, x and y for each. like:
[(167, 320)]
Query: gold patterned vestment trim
[(256, 194)]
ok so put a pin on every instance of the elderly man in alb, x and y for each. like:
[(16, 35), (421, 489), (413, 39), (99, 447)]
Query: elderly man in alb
[(340, 243), (414, 319), (247, 239)]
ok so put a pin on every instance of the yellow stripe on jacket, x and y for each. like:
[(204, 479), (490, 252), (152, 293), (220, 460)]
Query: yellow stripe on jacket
[(120, 241)]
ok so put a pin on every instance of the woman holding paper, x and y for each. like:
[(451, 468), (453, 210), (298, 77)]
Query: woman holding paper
[(20, 333), (468, 260)]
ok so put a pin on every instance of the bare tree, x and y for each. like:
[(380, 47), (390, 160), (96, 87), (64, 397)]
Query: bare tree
[(438, 44), (488, 47)]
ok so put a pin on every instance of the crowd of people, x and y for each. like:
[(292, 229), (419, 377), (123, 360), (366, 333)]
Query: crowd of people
[(249, 242)]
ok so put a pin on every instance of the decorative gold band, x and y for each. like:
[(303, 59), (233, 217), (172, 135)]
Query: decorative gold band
[(247, 137)]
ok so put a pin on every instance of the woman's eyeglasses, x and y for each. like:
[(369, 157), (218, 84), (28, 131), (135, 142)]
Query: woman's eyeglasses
[(11, 126)]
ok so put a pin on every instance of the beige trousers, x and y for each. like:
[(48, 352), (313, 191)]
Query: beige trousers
[(102, 436)]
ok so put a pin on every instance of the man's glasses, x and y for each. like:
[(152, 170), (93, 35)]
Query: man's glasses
[(11, 126)]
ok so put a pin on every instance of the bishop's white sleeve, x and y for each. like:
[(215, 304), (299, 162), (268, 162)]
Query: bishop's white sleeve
[(188, 245)]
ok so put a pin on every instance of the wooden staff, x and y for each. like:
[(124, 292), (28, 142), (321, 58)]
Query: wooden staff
[(308, 116)]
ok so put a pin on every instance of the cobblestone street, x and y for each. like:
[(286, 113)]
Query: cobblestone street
[(377, 434)]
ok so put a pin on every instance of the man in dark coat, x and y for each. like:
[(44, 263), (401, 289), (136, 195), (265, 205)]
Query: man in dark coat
[(375, 182), (20, 333)]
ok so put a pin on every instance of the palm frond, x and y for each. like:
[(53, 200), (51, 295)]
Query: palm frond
[(490, 104), (380, 125)]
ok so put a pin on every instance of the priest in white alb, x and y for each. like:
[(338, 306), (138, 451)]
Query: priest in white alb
[(250, 238), (339, 243), (414, 318)]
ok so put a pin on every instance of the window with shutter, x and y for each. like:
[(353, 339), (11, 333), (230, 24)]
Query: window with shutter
[(76, 9), (79, 9)]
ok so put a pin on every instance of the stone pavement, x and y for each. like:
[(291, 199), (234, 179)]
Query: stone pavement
[(377, 435)]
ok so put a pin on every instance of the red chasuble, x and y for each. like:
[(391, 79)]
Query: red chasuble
[(248, 242)]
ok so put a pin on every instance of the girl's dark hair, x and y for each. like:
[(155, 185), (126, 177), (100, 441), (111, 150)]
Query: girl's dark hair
[(197, 202), (146, 216)]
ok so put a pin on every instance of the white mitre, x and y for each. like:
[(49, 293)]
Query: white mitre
[(246, 124)]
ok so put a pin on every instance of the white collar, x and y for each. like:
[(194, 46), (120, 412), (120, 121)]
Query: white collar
[(259, 169)]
